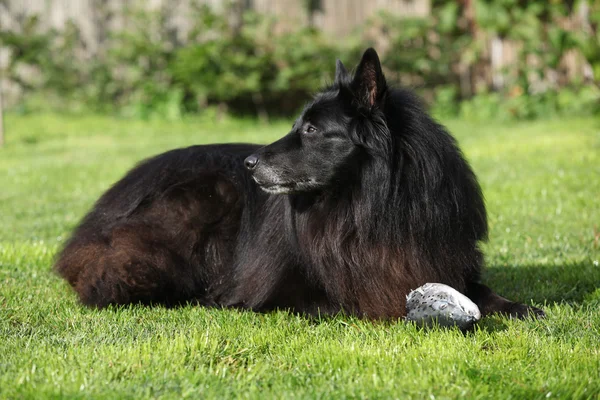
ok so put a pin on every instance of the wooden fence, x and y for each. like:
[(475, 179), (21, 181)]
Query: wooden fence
[(95, 17)]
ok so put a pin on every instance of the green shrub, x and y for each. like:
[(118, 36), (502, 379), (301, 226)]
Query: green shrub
[(146, 71), (566, 102)]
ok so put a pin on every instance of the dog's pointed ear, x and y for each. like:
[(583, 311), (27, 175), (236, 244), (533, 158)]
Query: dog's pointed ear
[(340, 72), (369, 84)]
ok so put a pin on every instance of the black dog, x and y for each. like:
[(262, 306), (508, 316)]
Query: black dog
[(365, 199)]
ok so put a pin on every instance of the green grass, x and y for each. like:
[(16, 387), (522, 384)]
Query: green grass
[(542, 184)]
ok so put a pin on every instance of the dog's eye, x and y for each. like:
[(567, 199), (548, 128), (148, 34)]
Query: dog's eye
[(310, 129)]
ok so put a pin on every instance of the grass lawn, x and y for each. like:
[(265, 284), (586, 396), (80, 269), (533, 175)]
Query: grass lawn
[(542, 184)]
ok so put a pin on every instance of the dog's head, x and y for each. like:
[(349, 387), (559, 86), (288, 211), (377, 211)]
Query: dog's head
[(341, 122)]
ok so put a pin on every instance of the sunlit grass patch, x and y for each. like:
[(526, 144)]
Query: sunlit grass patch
[(542, 185)]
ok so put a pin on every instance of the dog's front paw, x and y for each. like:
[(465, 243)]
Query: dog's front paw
[(522, 311)]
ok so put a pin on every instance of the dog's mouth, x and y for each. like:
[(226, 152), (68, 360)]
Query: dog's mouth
[(279, 188), (287, 187)]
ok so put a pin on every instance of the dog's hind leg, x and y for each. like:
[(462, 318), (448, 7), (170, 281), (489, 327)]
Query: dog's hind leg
[(134, 266), (492, 303)]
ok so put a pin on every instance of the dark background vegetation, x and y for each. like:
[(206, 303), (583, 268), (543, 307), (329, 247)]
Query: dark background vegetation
[(240, 61)]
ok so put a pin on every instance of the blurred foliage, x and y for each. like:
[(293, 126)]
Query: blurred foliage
[(247, 68), (447, 57)]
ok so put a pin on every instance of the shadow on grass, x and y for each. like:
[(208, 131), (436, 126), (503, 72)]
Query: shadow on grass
[(570, 283), (573, 283)]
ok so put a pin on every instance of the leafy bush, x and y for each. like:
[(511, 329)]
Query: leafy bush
[(251, 66), (246, 69), (556, 103)]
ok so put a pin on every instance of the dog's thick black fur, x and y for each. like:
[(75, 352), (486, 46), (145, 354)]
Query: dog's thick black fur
[(365, 199)]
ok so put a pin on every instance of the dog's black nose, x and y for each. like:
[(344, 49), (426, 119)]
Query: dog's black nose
[(251, 161)]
